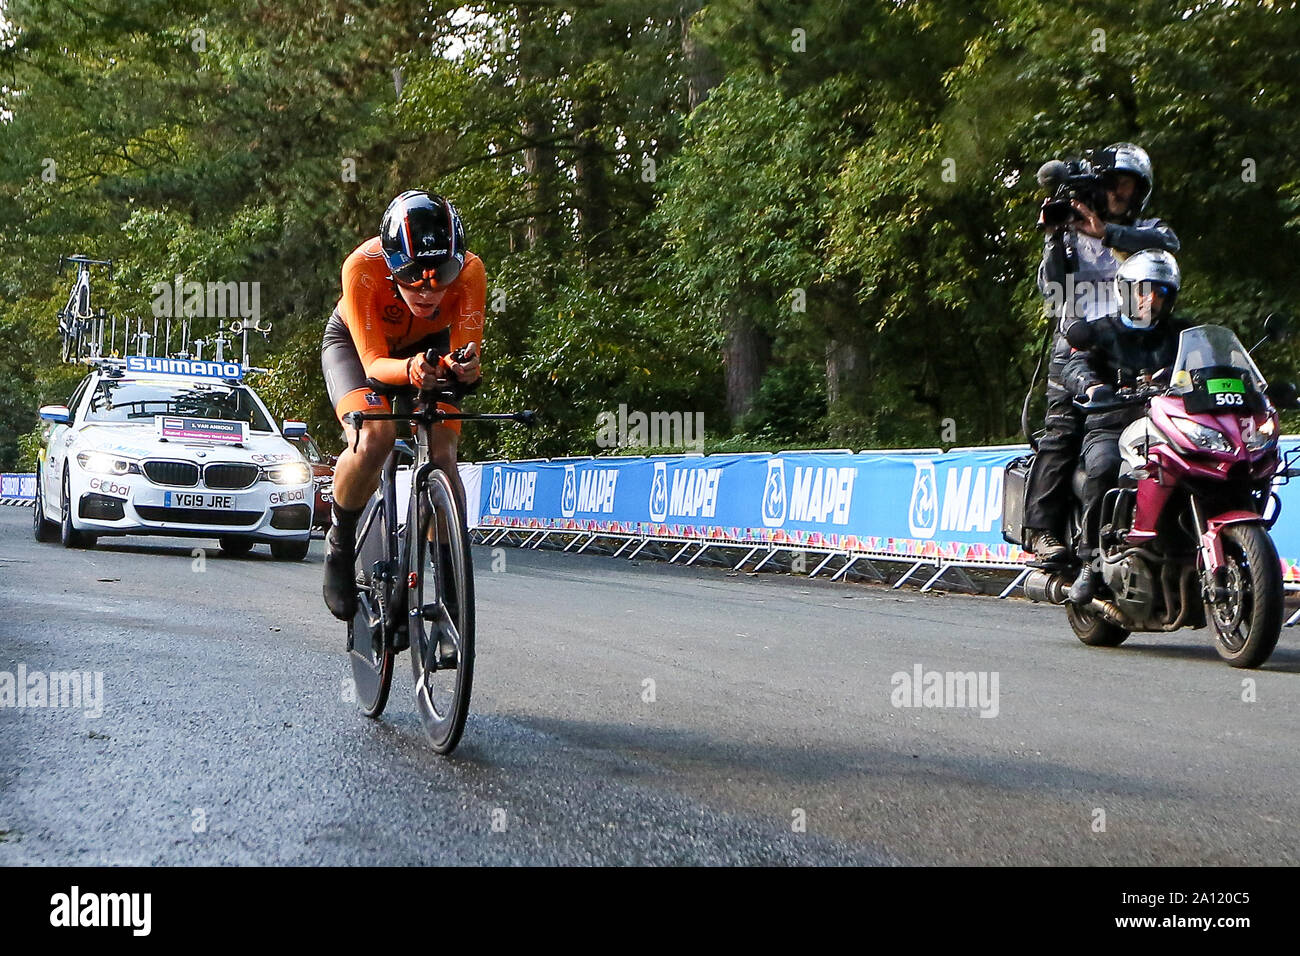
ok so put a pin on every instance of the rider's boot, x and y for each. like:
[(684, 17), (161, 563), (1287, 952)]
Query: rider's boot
[(340, 587), (1084, 588), (1047, 548)]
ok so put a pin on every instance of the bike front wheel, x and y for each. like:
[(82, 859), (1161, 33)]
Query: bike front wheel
[(440, 599)]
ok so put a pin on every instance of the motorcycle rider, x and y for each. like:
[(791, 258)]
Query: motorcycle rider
[(1076, 277), (1135, 345)]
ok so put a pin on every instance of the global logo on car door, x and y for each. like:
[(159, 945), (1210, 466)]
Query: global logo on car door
[(569, 496)]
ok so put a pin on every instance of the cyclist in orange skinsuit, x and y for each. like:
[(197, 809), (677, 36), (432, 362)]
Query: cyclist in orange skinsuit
[(412, 288)]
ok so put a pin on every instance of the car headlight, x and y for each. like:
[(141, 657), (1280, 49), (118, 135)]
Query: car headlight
[(1211, 439), (102, 463), (294, 473), (1263, 436)]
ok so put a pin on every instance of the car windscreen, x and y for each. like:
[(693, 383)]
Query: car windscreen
[(137, 402)]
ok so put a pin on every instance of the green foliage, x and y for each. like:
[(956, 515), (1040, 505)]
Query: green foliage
[(790, 407)]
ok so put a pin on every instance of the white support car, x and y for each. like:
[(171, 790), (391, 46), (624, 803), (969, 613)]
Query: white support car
[(172, 447)]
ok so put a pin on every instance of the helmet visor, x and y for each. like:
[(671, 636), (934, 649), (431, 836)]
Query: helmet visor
[(421, 275), (1145, 302)]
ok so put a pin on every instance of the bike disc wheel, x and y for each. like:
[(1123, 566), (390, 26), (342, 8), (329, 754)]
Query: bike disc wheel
[(440, 597), (371, 655)]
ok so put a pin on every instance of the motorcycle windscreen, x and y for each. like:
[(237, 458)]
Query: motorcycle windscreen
[(1215, 374)]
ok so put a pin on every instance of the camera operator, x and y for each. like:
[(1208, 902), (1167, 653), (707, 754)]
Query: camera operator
[(1090, 224)]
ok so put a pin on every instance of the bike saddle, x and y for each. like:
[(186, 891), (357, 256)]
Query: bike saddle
[(383, 388)]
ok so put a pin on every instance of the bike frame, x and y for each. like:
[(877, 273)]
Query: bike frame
[(425, 419)]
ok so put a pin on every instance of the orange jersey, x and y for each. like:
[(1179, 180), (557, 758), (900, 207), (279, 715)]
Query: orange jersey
[(381, 323)]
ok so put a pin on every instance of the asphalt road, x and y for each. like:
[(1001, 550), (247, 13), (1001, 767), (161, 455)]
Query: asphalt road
[(623, 713)]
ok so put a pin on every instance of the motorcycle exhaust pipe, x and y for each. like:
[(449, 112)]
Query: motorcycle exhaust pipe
[(1109, 612), (1047, 588), (1044, 587)]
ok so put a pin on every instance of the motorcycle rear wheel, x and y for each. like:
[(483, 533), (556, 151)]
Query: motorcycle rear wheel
[(1093, 629), (1247, 625)]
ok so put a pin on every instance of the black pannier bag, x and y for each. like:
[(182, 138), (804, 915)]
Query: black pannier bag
[(1014, 482)]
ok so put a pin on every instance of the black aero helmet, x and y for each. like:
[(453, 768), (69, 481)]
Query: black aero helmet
[(423, 239)]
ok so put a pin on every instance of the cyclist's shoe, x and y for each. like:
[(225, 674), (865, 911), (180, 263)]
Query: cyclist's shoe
[(450, 599), (1084, 588), (447, 658), (1047, 548), (340, 588)]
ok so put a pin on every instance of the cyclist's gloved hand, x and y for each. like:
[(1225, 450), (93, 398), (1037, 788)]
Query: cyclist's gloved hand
[(418, 370), (462, 365)]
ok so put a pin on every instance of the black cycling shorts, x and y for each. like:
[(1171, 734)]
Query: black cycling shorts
[(345, 376)]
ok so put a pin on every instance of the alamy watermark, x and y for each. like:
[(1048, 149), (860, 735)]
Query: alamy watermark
[(206, 300), (947, 689), (624, 429), (79, 690), (127, 910)]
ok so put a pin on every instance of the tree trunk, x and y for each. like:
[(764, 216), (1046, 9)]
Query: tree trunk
[(703, 72), (746, 353), (592, 182), (746, 349), (539, 160)]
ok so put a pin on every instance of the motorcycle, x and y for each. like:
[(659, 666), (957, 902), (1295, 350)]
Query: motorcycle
[(1183, 539)]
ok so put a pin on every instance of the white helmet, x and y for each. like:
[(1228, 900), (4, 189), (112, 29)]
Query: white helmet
[(1134, 278), (1128, 158)]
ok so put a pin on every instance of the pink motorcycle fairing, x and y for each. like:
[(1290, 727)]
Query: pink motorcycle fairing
[(1171, 463)]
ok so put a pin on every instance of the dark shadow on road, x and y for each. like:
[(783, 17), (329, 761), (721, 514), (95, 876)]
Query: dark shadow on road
[(1284, 660)]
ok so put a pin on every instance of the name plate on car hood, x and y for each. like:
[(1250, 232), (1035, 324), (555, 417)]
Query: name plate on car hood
[(203, 429)]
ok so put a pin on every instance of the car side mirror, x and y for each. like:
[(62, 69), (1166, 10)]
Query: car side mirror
[(294, 429), (1080, 335), (1283, 395), (1277, 327), (55, 413)]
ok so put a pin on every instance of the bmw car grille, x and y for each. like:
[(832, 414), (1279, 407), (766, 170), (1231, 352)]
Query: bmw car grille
[(228, 477), (183, 474), (198, 515)]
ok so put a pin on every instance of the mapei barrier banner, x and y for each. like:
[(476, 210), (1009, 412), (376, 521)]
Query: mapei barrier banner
[(920, 504), (21, 487), (936, 505)]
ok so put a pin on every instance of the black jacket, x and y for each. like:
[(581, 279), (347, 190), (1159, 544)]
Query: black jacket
[(1116, 358), (1092, 280)]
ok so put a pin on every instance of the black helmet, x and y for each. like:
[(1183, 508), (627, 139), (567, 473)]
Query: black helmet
[(422, 239)]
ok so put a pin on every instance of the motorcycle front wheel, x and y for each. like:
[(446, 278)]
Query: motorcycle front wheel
[(1248, 619)]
